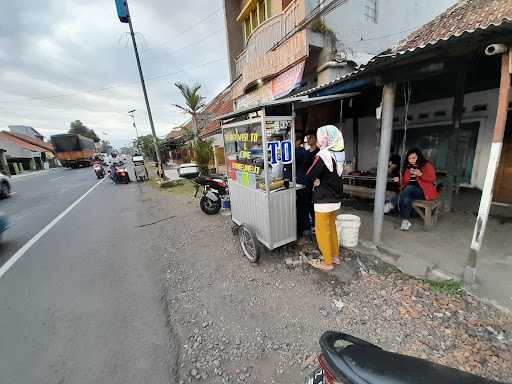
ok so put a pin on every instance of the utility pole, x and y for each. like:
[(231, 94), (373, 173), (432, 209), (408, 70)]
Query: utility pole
[(124, 16)]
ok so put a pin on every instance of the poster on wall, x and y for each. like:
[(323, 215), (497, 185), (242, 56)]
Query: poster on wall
[(287, 81)]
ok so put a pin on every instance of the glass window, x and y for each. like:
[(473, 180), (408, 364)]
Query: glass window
[(261, 11), (244, 155), (254, 19), (280, 153)]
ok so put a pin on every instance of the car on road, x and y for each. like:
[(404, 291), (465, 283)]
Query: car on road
[(188, 170), (5, 186)]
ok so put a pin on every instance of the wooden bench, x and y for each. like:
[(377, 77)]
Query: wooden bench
[(364, 192), (428, 210)]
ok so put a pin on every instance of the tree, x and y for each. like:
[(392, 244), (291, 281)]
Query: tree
[(105, 147), (194, 102), (203, 151), (79, 128), (145, 143)]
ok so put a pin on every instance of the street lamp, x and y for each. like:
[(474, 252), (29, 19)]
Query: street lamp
[(131, 113), (123, 13)]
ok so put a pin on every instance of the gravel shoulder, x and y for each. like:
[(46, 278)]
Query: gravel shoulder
[(236, 322)]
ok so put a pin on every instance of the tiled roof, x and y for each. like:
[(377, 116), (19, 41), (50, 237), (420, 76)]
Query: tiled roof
[(177, 133), (32, 140), (21, 143), (219, 106), (466, 16)]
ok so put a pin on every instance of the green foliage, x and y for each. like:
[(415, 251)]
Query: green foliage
[(145, 143), (448, 287), (80, 129), (203, 153), (194, 102)]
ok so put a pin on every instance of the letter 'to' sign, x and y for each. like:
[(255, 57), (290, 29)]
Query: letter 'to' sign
[(286, 148)]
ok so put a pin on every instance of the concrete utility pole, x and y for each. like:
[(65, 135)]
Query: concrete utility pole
[(494, 160), (388, 106), (150, 116)]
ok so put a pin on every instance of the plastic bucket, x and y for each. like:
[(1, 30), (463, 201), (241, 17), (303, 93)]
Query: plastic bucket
[(347, 227)]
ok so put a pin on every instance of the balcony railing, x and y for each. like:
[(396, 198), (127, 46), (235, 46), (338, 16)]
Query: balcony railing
[(264, 38)]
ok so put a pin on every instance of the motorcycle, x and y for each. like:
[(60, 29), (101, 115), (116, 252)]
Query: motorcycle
[(99, 170), (4, 224), (121, 174), (362, 362), (215, 191)]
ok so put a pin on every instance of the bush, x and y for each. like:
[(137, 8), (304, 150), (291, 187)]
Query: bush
[(203, 153)]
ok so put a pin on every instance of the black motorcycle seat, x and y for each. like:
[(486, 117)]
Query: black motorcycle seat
[(363, 364)]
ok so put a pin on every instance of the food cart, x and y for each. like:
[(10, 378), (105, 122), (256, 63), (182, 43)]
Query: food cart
[(259, 151)]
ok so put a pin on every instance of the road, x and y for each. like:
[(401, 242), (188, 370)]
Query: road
[(82, 304)]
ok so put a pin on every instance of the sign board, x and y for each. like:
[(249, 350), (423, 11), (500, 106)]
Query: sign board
[(287, 81), (122, 11)]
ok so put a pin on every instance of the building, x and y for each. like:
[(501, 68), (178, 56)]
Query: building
[(21, 154), (277, 47), (26, 130), (445, 88)]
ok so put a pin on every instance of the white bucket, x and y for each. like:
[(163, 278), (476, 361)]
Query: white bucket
[(347, 227)]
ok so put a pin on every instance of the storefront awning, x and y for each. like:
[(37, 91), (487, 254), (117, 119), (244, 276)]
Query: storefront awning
[(298, 101)]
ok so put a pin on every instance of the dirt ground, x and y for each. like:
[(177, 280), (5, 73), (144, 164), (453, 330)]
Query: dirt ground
[(237, 322)]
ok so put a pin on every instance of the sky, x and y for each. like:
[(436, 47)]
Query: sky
[(66, 60)]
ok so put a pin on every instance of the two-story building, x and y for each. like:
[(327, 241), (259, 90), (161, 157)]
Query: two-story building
[(277, 47)]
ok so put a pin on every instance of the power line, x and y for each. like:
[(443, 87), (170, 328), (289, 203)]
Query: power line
[(194, 26), (210, 35), (384, 36), (102, 89)]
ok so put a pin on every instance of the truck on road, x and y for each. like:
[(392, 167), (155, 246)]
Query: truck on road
[(73, 150)]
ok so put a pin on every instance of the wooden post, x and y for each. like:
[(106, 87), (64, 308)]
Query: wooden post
[(355, 128), (388, 106), (454, 153), (469, 274)]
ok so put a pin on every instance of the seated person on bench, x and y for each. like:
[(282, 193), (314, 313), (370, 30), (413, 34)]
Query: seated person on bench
[(418, 181)]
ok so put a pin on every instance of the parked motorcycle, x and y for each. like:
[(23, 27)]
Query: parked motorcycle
[(362, 362), (215, 191), (99, 170), (4, 224)]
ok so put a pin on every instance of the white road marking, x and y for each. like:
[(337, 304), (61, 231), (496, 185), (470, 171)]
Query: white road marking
[(57, 178), (9, 263)]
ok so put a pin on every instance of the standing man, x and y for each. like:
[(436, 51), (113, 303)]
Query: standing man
[(302, 157), (313, 151)]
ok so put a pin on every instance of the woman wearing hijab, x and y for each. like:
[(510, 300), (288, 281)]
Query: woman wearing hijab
[(326, 172)]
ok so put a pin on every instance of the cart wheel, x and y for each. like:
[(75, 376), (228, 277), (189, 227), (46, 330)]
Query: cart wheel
[(249, 243), (234, 229)]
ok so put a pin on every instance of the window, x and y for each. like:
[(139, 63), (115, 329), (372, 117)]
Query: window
[(370, 11), (254, 16)]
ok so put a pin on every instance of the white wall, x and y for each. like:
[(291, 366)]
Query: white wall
[(367, 129), (395, 20)]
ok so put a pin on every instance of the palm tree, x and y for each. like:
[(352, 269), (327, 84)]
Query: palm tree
[(194, 102)]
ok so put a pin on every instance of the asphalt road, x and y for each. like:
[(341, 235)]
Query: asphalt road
[(82, 305)]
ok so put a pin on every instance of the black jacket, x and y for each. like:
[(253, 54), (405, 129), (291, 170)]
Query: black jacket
[(302, 163), (330, 189)]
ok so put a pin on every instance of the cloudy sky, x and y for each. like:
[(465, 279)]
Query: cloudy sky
[(63, 60)]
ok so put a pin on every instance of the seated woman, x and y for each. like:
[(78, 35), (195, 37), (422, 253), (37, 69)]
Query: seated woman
[(418, 183)]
